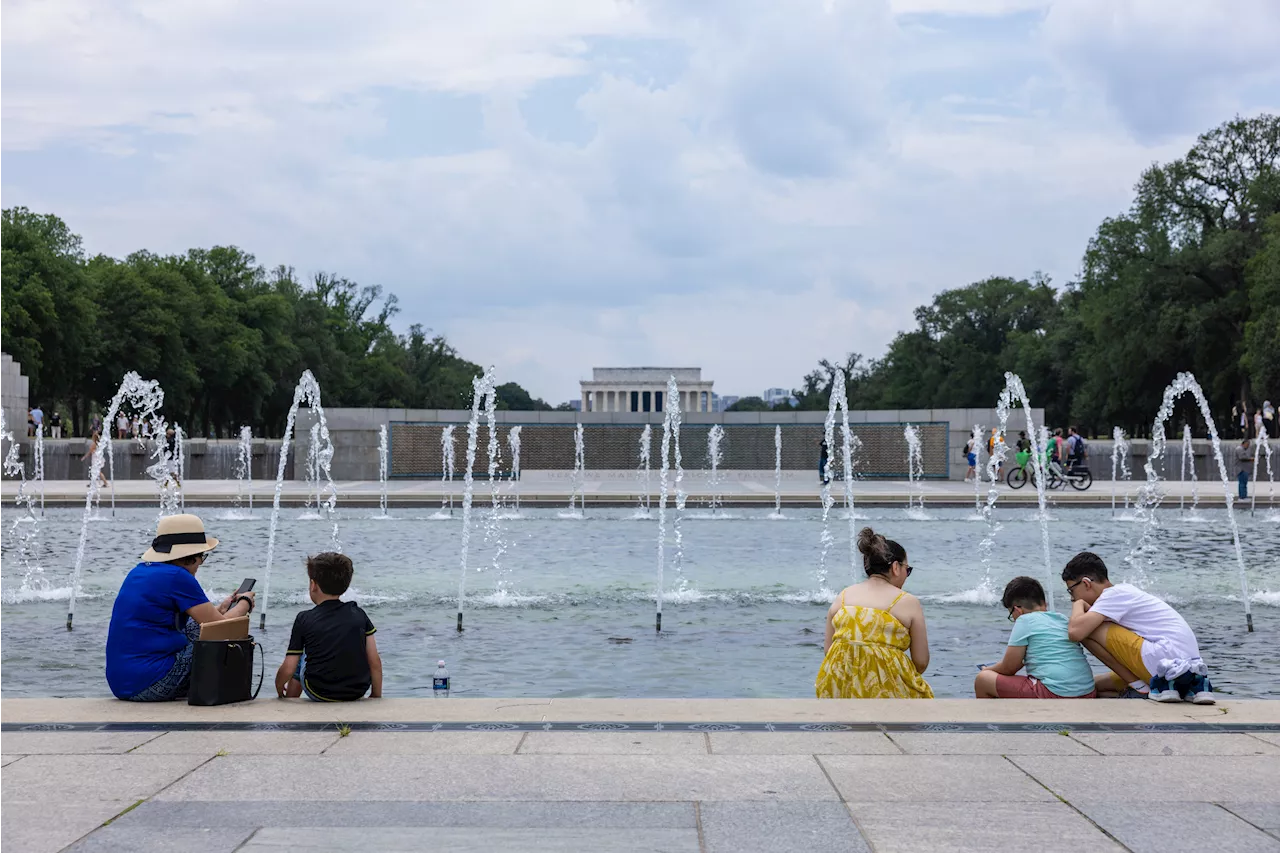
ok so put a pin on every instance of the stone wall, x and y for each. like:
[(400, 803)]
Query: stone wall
[(206, 459), (14, 396), (416, 451)]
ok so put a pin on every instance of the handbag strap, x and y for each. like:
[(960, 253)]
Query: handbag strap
[(262, 669)]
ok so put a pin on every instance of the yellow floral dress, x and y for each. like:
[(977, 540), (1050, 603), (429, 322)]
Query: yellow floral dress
[(868, 657)]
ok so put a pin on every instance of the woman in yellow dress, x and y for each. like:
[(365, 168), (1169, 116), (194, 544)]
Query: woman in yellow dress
[(876, 644)]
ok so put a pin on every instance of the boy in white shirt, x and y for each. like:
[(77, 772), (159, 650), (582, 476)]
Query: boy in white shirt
[(1145, 635)]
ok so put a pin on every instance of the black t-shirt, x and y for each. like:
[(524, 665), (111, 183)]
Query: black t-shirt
[(332, 635)]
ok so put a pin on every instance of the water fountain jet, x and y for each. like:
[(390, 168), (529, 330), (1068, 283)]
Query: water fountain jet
[(1149, 495), (308, 391), (482, 393), (143, 395)]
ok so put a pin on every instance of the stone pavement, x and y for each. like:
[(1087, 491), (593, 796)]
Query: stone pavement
[(601, 775), (620, 488)]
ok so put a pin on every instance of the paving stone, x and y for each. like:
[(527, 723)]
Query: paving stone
[(224, 837), (781, 827), (1175, 743), (1265, 815), (514, 815), (80, 778), (474, 840), (1174, 778), (50, 824), (1131, 824), (427, 743), (926, 778), (239, 743), (802, 743), (910, 827), (614, 743), (994, 743), (506, 777), (73, 743), (1270, 737), (6, 760)]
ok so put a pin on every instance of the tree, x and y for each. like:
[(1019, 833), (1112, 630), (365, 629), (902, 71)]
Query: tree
[(749, 404), (511, 396)]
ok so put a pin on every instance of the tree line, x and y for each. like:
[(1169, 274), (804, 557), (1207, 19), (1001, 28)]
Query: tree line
[(226, 338), (1188, 279)]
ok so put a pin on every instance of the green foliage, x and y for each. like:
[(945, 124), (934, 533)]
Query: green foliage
[(226, 339), (750, 404), (1187, 280)]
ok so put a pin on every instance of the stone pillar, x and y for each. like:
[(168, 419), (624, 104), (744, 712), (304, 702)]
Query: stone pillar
[(583, 406)]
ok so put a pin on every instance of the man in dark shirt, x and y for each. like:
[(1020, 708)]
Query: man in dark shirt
[(332, 654)]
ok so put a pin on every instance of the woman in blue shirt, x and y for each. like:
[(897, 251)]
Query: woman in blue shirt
[(158, 613)]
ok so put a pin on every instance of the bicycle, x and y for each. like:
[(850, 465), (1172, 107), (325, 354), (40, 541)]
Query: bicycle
[(1077, 476)]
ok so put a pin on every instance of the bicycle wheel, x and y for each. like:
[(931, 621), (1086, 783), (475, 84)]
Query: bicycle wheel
[(1017, 478), (1081, 481)]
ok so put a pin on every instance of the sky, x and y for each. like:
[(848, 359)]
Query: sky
[(745, 186)]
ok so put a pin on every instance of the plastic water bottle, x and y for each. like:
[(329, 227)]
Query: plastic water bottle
[(440, 681)]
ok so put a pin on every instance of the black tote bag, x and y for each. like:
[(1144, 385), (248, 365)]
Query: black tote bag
[(222, 672)]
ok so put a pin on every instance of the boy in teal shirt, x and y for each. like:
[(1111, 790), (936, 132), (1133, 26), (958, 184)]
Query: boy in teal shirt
[(1056, 667)]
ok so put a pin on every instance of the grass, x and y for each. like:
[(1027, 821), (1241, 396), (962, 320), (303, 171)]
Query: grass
[(344, 729), (123, 813), (220, 753)]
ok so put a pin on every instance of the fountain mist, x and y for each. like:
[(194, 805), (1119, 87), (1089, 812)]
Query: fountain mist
[(670, 443), (382, 470), (244, 469), (837, 401), (308, 391), (578, 494), (446, 460), (144, 396), (1189, 464), (26, 526), (777, 472), (1149, 494), (513, 444), (1015, 392), (1119, 465), (915, 472), (715, 455), (482, 396)]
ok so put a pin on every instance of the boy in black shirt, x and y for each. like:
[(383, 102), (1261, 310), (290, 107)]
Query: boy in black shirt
[(332, 655)]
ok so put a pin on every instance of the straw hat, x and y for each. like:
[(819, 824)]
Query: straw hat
[(178, 536)]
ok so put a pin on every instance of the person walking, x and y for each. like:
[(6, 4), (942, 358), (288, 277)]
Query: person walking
[(55, 425), (1244, 465), (1257, 423), (88, 454), (122, 426), (37, 420)]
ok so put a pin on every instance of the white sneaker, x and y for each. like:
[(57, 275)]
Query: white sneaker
[(1204, 697), (1169, 695)]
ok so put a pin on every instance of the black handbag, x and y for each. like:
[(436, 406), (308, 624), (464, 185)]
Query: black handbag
[(222, 672)]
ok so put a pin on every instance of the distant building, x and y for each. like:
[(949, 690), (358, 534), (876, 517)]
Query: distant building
[(644, 389), (576, 405), (779, 396), (722, 404)]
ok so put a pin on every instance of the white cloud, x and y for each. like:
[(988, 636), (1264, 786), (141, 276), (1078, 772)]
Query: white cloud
[(966, 7), (802, 176)]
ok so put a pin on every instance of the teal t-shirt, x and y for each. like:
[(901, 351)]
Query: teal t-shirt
[(1053, 659)]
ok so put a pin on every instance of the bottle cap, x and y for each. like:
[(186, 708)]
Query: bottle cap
[(439, 663)]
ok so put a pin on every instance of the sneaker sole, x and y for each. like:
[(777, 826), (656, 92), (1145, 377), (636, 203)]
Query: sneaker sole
[(1167, 697), (1203, 699)]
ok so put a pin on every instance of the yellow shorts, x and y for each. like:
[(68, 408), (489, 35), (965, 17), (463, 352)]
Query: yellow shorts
[(1126, 647)]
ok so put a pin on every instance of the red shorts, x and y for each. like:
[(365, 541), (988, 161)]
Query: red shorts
[(1026, 687)]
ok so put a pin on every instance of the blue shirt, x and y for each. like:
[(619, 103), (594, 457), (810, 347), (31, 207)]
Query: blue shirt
[(147, 622), (1052, 659)]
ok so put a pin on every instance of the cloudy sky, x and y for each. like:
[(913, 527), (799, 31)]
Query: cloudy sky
[(559, 184)]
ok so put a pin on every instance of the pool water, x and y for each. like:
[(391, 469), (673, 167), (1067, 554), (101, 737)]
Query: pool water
[(570, 609)]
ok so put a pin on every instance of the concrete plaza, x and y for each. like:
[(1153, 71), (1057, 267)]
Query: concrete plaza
[(622, 488), (632, 775)]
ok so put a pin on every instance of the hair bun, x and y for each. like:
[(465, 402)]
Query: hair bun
[(867, 541)]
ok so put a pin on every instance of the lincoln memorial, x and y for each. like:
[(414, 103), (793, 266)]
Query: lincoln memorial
[(644, 389)]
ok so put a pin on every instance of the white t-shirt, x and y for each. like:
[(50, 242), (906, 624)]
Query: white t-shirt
[(1166, 635)]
